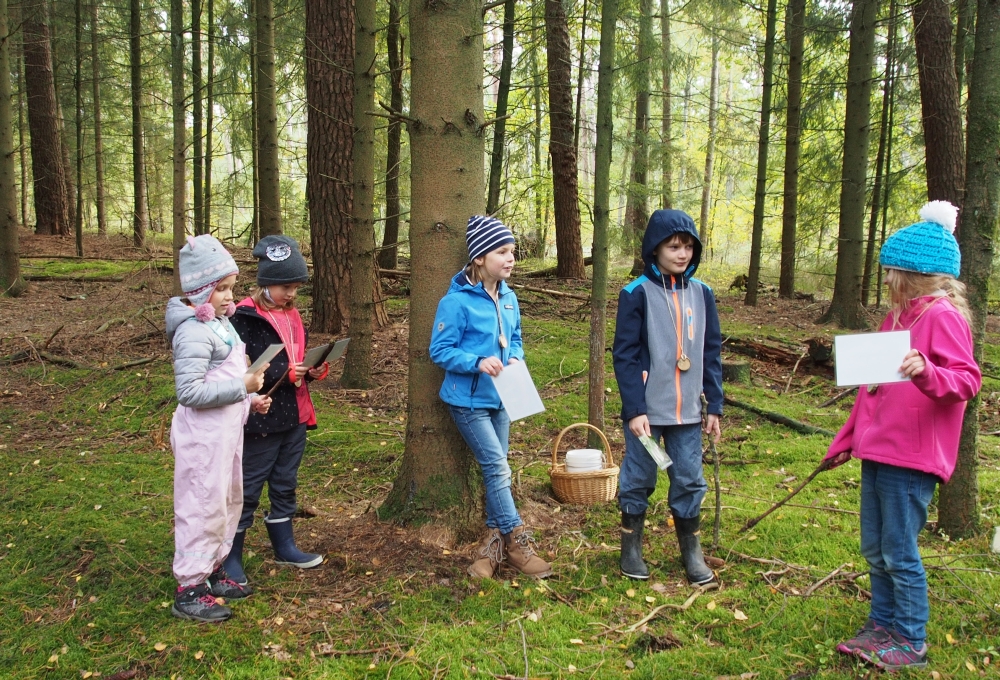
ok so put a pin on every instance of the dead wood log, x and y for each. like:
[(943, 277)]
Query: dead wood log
[(780, 419), (547, 291), (551, 271)]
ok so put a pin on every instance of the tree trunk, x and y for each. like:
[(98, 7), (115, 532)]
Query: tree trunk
[(11, 282), (254, 235), (637, 206), (845, 308), (883, 140), (358, 366), (713, 117), (602, 215), (22, 143), (47, 167), (446, 51), (887, 188), (500, 127), (179, 183), (387, 256), (209, 119), (78, 118), (958, 500), (763, 146), (580, 73), (795, 33), (196, 119), (140, 217), (68, 171), (95, 64), (537, 176), (569, 249), (666, 138), (329, 149), (267, 122), (939, 102), (965, 12)]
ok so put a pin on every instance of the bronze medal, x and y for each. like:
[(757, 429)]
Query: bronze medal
[(683, 363), (503, 341)]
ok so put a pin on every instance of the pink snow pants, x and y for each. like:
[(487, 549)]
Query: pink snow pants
[(208, 478)]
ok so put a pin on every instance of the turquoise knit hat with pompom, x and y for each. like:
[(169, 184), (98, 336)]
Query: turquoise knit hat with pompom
[(927, 247)]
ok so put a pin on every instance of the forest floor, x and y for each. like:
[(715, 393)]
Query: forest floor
[(86, 393)]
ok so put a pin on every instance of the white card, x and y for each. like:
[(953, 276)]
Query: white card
[(265, 358), (870, 358), (517, 391)]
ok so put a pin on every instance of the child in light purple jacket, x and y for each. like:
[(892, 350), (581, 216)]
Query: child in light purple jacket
[(906, 434)]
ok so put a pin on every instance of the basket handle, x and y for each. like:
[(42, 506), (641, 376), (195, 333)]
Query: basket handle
[(607, 446)]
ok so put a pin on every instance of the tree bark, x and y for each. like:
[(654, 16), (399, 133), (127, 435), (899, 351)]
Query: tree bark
[(763, 146), (358, 366), (537, 174), (636, 202), (209, 119), (602, 214), (666, 134), (78, 119), (329, 149), (958, 500), (267, 122), (446, 51), (939, 102), (254, 235), (580, 73), (95, 64), (500, 127), (11, 282), (965, 11), (179, 183), (845, 308), (795, 34), (22, 144), (713, 117), (569, 249), (140, 216), (196, 120), (47, 166), (387, 256)]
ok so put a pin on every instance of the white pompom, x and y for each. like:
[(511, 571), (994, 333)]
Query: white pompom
[(940, 212)]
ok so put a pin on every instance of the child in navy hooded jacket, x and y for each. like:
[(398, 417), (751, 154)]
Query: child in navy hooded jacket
[(667, 353), (477, 330)]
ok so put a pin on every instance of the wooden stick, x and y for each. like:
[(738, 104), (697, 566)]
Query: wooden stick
[(717, 526), (701, 590), (280, 380), (826, 579), (791, 375), (825, 465), (838, 397)]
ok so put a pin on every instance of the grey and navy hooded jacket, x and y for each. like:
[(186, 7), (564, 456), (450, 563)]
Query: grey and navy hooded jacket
[(653, 311)]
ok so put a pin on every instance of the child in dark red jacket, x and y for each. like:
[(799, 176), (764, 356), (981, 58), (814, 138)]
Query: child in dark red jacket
[(274, 443), (906, 433)]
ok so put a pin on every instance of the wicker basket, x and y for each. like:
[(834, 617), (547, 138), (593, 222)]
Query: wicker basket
[(597, 486)]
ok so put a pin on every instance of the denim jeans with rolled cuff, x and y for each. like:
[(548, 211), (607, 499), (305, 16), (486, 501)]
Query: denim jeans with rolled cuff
[(637, 479), (486, 431), (893, 511)]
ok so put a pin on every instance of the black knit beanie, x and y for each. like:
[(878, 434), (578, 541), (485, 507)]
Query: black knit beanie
[(279, 261)]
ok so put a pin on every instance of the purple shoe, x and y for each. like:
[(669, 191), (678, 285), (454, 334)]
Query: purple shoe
[(868, 639), (895, 653)]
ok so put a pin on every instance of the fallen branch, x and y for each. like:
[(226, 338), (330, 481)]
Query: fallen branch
[(823, 466), (826, 579), (551, 271), (74, 279), (780, 419), (53, 336), (791, 375), (701, 590), (837, 397), (547, 291), (825, 508), (353, 652), (130, 364)]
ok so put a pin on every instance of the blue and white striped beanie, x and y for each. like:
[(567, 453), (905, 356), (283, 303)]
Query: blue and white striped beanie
[(486, 234), (927, 247)]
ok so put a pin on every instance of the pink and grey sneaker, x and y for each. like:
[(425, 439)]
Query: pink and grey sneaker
[(196, 603), (223, 586), (868, 639), (896, 653)]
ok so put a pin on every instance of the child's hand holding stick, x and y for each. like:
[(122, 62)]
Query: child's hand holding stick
[(280, 380)]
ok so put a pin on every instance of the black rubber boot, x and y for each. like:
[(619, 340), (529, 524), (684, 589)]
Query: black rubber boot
[(196, 603), (631, 551), (283, 541), (233, 563), (688, 533)]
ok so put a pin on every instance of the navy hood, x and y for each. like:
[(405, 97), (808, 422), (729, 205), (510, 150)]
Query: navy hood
[(662, 225)]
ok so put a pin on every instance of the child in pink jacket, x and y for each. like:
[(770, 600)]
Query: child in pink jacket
[(906, 434)]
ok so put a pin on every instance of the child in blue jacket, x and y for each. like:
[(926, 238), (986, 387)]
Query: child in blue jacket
[(667, 352), (477, 330)]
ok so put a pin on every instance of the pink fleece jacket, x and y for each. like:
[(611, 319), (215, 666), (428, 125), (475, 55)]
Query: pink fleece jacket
[(917, 424)]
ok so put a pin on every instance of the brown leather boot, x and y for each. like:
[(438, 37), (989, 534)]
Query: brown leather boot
[(521, 553), (489, 555)]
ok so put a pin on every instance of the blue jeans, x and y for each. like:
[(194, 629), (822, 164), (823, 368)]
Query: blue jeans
[(485, 430), (893, 511), (637, 479), (274, 458)]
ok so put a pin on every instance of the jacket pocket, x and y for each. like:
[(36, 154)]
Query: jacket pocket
[(475, 384)]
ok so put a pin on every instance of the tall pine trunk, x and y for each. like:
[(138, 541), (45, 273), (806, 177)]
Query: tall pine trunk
[(845, 308), (267, 123), (197, 135), (358, 366), (47, 165), (254, 234), (11, 282), (713, 117), (22, 138), (438, 475), (140, 214), (958, 500), (939, 102), (965, 12), (387, 256), (179, 181), (537, 177), (763, 145), (500, 127), (329, 149), (795, 35), (209, 118), (95, 68), (666, 134), (569, 249), (637, 203), (580, 73), (78, 119)]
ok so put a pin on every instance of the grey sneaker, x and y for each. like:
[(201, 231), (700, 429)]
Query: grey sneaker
[(223, 586), (896, 653), (867, 639), (196, 603)]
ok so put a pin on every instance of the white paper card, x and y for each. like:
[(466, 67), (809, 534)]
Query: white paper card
[(331, 353), (870, 358), (517, 391), (265, 358)]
